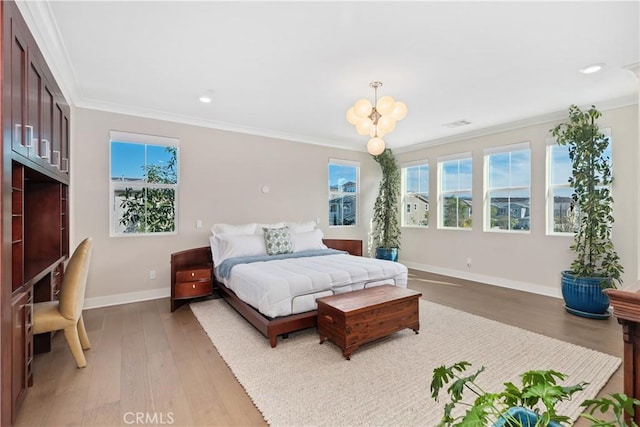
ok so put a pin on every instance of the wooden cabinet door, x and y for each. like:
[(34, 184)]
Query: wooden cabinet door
[(16, 85), (56, 137), (47, 125), (21, 349), (34, 102), (64, 163)]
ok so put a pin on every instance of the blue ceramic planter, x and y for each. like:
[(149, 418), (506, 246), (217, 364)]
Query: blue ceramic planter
[(583, 296), (524, 416), (390, 254)]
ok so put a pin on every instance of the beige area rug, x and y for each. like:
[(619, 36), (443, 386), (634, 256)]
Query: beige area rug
[(386, 383)]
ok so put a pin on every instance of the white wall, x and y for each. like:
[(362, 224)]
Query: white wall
[(525, 261), (221, 174)]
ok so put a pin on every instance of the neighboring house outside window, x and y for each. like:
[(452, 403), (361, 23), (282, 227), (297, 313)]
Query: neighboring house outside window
[(344, 184), (507, 184), (455, 191), (562, 216), (415, 193), (143, 184)]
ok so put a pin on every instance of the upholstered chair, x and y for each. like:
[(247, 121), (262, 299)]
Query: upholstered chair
[(66, 313)]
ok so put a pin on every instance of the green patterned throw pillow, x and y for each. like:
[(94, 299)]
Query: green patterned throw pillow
[(277, 240)]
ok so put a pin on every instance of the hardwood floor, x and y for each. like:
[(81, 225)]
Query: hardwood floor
[(148, 366)]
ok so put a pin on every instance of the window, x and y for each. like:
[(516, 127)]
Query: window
[(343, 192), (144, 184), (415, 194), (562, 215), (454, 196), (508, 187)]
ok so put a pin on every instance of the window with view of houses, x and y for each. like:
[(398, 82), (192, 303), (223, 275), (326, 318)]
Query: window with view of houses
[(415, 194), (143, 184), (507, 183), (562, 215), (343, 192), (455, 191)]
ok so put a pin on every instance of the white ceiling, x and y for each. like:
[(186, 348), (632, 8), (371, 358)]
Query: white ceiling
[(291, 69)]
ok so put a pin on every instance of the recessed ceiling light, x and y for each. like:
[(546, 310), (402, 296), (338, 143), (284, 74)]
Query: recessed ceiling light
[(593, 68), (205, 99)]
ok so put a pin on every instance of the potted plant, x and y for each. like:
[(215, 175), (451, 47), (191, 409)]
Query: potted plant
[(386, 230), (596, 265), (532, 404)]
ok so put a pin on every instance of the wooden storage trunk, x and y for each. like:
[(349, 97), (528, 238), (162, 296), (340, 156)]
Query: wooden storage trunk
[(354, 318)]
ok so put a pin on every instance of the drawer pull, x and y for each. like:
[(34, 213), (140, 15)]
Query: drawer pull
[(194, 286), (328, 318), (193, 274)]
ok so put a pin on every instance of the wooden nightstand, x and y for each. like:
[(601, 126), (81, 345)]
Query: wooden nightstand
[(190, 278)]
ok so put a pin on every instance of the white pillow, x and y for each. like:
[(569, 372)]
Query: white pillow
[(233, 229), (259, 227), (308, 241), (215, 243), (302, 227), (236, 245)]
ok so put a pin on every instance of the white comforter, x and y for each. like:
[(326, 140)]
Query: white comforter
[(289, 286)]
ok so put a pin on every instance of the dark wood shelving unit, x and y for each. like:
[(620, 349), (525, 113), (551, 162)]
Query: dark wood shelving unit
[(35, 213)]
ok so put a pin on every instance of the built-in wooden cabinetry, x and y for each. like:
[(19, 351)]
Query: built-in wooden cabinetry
[(35, 190)]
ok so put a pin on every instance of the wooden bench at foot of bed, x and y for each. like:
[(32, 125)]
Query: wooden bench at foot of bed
[(273, 327)]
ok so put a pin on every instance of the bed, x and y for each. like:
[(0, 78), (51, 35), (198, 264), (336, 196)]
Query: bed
[(276, 291)]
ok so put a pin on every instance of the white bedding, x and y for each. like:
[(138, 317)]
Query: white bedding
[(289, 286)]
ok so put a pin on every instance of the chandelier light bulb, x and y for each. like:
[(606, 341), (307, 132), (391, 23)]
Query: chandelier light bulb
[(399, 111), (375, 146), (385, 105), (364, 126), (386, 124), (362, 107), (351, 116)]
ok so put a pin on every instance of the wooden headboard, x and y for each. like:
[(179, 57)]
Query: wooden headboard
[(198, 256), (354, 247)]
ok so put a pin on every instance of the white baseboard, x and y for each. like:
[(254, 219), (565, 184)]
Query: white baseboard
[(490, 280), (130, 297)]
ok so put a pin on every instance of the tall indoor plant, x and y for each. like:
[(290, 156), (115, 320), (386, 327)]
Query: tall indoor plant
[(596, 265), (386, 230)]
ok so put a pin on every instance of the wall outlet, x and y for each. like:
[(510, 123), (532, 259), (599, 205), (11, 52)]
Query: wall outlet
[(198, 223), (468, 262), (152, 274)]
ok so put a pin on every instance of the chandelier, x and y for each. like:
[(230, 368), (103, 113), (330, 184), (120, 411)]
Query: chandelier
[(376, 120)]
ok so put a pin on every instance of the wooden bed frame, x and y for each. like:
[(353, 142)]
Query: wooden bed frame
[(272, 327)]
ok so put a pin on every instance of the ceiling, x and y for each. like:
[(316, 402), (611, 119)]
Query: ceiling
[(292, 69)]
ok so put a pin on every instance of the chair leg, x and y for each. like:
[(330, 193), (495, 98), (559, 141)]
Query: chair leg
[(73, 340), (82, 333)]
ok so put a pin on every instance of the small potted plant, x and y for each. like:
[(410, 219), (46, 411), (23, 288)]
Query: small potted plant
[(596, 265), (513, 406), (386, 230), (532, 405)]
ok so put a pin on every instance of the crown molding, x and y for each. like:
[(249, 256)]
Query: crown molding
[(212, 124), (518, 124), (43, 27)]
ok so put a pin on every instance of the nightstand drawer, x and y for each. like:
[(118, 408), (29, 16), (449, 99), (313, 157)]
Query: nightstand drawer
[(193, 275), (192, 289)]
